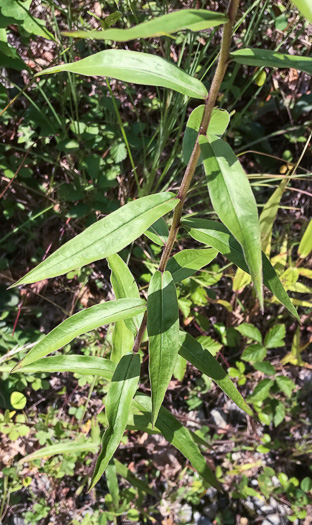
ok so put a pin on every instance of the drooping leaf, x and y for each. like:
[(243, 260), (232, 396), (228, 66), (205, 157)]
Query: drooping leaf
[(192, 19), (163, 333), (218, 236), (249, 330), (233, 200), (193, 352), (82, 322), (66, 447), (124, 286), (122, 341), (268, 216), (105, 237), (79, 364), (118, 401), (267, 58), (305, 8), (305, 246), (275, 336), (219, 121), (158, 232), (187, 262), (137, 68), (179, 436)]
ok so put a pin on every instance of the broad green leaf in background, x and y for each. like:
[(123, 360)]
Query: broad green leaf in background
[(163, 334), (187, 262), (265, 368), (118, 401), (80, 364), (218, 236), (219, 121), (179, 436), (305, 8), (105, 237), (192, 19), (305, 246), (82, 322), (124, 286), (250, 331), (158, 232), (268, 216), (122, 340), (275, 336), (193, 352), (234, 202), (137, 68), (20, 11), (267, 58)]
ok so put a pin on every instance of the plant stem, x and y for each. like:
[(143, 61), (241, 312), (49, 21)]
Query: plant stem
[(190, 170)]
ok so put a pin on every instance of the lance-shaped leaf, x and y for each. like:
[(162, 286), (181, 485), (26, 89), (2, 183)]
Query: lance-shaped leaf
[(268, 216), (163, 333), (267, 58), (187, 262), (305, 246), (82, 322), (122, 340), (80, 364), (124, 286), (179, 436), (233, 200), (193, 351), (66, 447), (137, 68), (105, 237), (305, 8), (158, 232), (118, 401), (218, 236), (192, 19)]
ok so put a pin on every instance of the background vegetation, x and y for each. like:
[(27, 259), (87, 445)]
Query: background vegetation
[(74, 149)]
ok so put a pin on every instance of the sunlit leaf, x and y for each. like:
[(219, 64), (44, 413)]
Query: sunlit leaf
[(305, 8), (305, 246), (267, 58), (187, 262)]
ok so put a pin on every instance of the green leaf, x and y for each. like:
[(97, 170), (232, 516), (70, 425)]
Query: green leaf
[(286, 385), (158, 232), (163, 333), (179, 436), (254, 353), (305, 8), (18, 400), (66, 447), (193, 351), (133, 480), (278, 412), (267, 58), (80, 364), (180, 368), (187, 262), (261, 391), (20, 12), (233, 200), (112, 482), (265, 368), (275, 336), (124, 287), (268, 216), (305, 246), (218, 236), (118, 401), (82, 322), (217, 126), (192, 19), (123, 341), (137, 68), (105, 237), (250, 331)]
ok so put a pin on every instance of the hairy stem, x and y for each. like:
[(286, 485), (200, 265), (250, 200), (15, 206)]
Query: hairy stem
[(190, 169)]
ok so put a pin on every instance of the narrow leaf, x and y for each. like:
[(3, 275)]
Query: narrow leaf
[(268, 216), (105, 237), (218, 236), (158, 232), (124, 286), (82, 322), (193, 351), (137, 68), (187, 262), (163, 333), (233, 200), (179, 436), (305, 246), (267, 58), (66, 447), (305, 8), (121, 391), (122, 340), (192, 19)]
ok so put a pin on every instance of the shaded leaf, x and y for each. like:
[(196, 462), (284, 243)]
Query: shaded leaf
[(163, 333), (118, 401), (137, 68), (82, 322), (133, 480), (268, 216), (122, 341), (285, 384), (187, 262), (267, 58), (158, 232), (105, 237), (233, 200)]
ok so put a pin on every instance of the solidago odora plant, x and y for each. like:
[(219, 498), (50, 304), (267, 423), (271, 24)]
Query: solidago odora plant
[(236, 236)]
